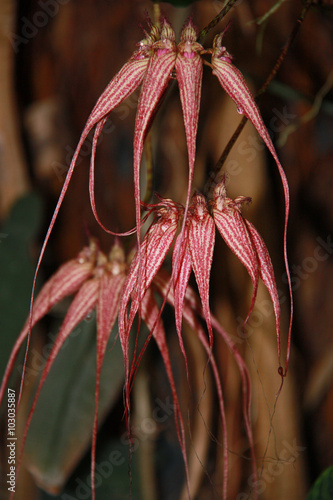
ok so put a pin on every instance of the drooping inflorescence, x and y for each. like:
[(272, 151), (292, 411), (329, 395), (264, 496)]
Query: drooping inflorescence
[(123, 289)]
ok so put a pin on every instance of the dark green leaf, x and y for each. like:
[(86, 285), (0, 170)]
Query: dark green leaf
[(61, 428), (323, 487), (17, 235), (112, 477)]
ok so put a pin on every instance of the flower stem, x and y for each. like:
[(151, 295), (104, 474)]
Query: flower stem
[(204, 32)]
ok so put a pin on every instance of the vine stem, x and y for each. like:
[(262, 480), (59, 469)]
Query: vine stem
[(223, 12)]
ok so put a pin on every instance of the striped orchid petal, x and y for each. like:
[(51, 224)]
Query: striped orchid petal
[(151, 316), (267, 275), (232, 81), (233, 229), (246, 243), (234, 84), (189, 76), (181, 270), (156, 79), (113, 275), (66, 281), (145, 265), (201, 238), (125, 82)]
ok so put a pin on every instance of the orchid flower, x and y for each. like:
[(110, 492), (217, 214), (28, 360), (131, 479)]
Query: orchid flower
[(117, 288), (234, 84), (247, 244), (109, 284), (156, 61), (193, 250), (97, 281)]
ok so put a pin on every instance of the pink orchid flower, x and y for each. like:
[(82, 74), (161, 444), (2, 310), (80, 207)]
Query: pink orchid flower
[(156, 61), (96, 280), (108, 283), (193, 250)]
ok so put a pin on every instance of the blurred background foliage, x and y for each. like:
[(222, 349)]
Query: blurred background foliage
[(56, 58)]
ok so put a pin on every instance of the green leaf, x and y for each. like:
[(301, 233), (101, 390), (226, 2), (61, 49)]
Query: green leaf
[(61, 428), (323, 487), (17, 235), (111, 474)]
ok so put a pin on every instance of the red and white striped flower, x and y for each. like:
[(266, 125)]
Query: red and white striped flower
[(156, 61), (193, 250), (96, 281)]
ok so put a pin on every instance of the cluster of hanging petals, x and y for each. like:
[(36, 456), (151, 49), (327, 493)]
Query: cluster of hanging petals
[(232, 227), (247, 244), (65, 282), (234, 84), (96, 280), (195, 252), (145, 265)]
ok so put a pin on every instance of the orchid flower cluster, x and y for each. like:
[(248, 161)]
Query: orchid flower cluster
[(121, 286)]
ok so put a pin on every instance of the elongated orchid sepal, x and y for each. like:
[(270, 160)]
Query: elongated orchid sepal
[(234, 84), (267, 275), (181, 270), (201, 238), (144, 267), (112, 277), (233, 229), (156, 79)]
